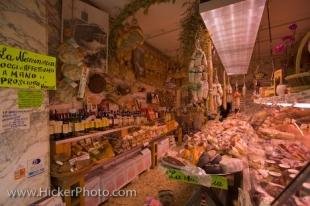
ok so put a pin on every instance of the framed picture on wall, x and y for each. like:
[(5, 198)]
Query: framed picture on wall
[(90, 29)]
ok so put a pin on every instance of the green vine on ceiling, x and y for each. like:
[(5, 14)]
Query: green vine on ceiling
[(129, 10), (192, 27), (191, 24)]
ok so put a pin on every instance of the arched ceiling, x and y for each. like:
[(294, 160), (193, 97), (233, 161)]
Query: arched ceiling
[(161, 26)]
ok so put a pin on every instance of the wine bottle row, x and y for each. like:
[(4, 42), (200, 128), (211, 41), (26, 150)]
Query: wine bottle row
[(72, 124)]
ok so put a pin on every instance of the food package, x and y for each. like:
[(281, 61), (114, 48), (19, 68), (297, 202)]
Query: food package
[(231, 165), (65, 93), (70, 53), (258, 119), (273, 133), (71, 71)]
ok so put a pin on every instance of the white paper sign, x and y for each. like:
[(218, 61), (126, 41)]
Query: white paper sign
[(35, 167), (14, 119)]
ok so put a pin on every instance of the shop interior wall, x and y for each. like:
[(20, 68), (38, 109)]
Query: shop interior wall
[(156, 64), (23, 25)]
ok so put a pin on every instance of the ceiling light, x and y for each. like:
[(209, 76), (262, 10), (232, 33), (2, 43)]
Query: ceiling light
[(233, 26)]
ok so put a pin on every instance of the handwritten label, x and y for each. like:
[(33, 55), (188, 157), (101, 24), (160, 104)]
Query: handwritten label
[(15, 119), (216, 181), (28, 99), (25, 69), (180, 176), (219, 182)]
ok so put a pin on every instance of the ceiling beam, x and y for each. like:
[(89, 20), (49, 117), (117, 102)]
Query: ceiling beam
[(163, 33)]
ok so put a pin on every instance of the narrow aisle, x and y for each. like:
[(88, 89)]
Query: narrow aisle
[(155, 180)]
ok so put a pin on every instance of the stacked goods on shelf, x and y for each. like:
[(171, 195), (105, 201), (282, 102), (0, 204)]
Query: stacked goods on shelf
[(77, 123), (83, 153), (229, 137)]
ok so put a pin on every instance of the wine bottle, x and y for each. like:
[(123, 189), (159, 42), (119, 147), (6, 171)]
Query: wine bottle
[(111, 119), (98, 122), (58, 126), (76, 124), (115, 119), (92, 126), (52, 125), (65, 126), (71, 123), (82, 121)]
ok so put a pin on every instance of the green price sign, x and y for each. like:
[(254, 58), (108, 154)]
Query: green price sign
[(25, 69), (30, 98), (219, 182), (180, 176)]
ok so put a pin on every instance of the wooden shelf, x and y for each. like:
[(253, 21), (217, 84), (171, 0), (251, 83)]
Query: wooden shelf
[(91, 135), (105, 163)]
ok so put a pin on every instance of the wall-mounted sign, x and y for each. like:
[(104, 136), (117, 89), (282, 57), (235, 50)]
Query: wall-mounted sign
[(35, 166), (14, 119), (25, 69), (180, 176), (30, 98), (20, 172), (214, 180), (219, 182)]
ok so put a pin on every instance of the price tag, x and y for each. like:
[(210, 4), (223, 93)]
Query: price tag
[(180, 176), (219, 182)]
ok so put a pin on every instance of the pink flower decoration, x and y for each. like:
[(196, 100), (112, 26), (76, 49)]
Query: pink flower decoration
[(280, 48), (288, 38), (293, 26)]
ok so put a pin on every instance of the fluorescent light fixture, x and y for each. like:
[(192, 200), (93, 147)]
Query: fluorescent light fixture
[(284, 104), (233, 26), (302, 105)]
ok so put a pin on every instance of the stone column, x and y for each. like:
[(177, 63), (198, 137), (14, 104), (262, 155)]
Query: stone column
[(23, 25)]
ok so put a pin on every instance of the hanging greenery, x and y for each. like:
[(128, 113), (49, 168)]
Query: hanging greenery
[(129, 10), (192, 25)]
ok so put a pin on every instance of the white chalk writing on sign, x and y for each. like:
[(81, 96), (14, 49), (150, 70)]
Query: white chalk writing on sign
[(15, 119)]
